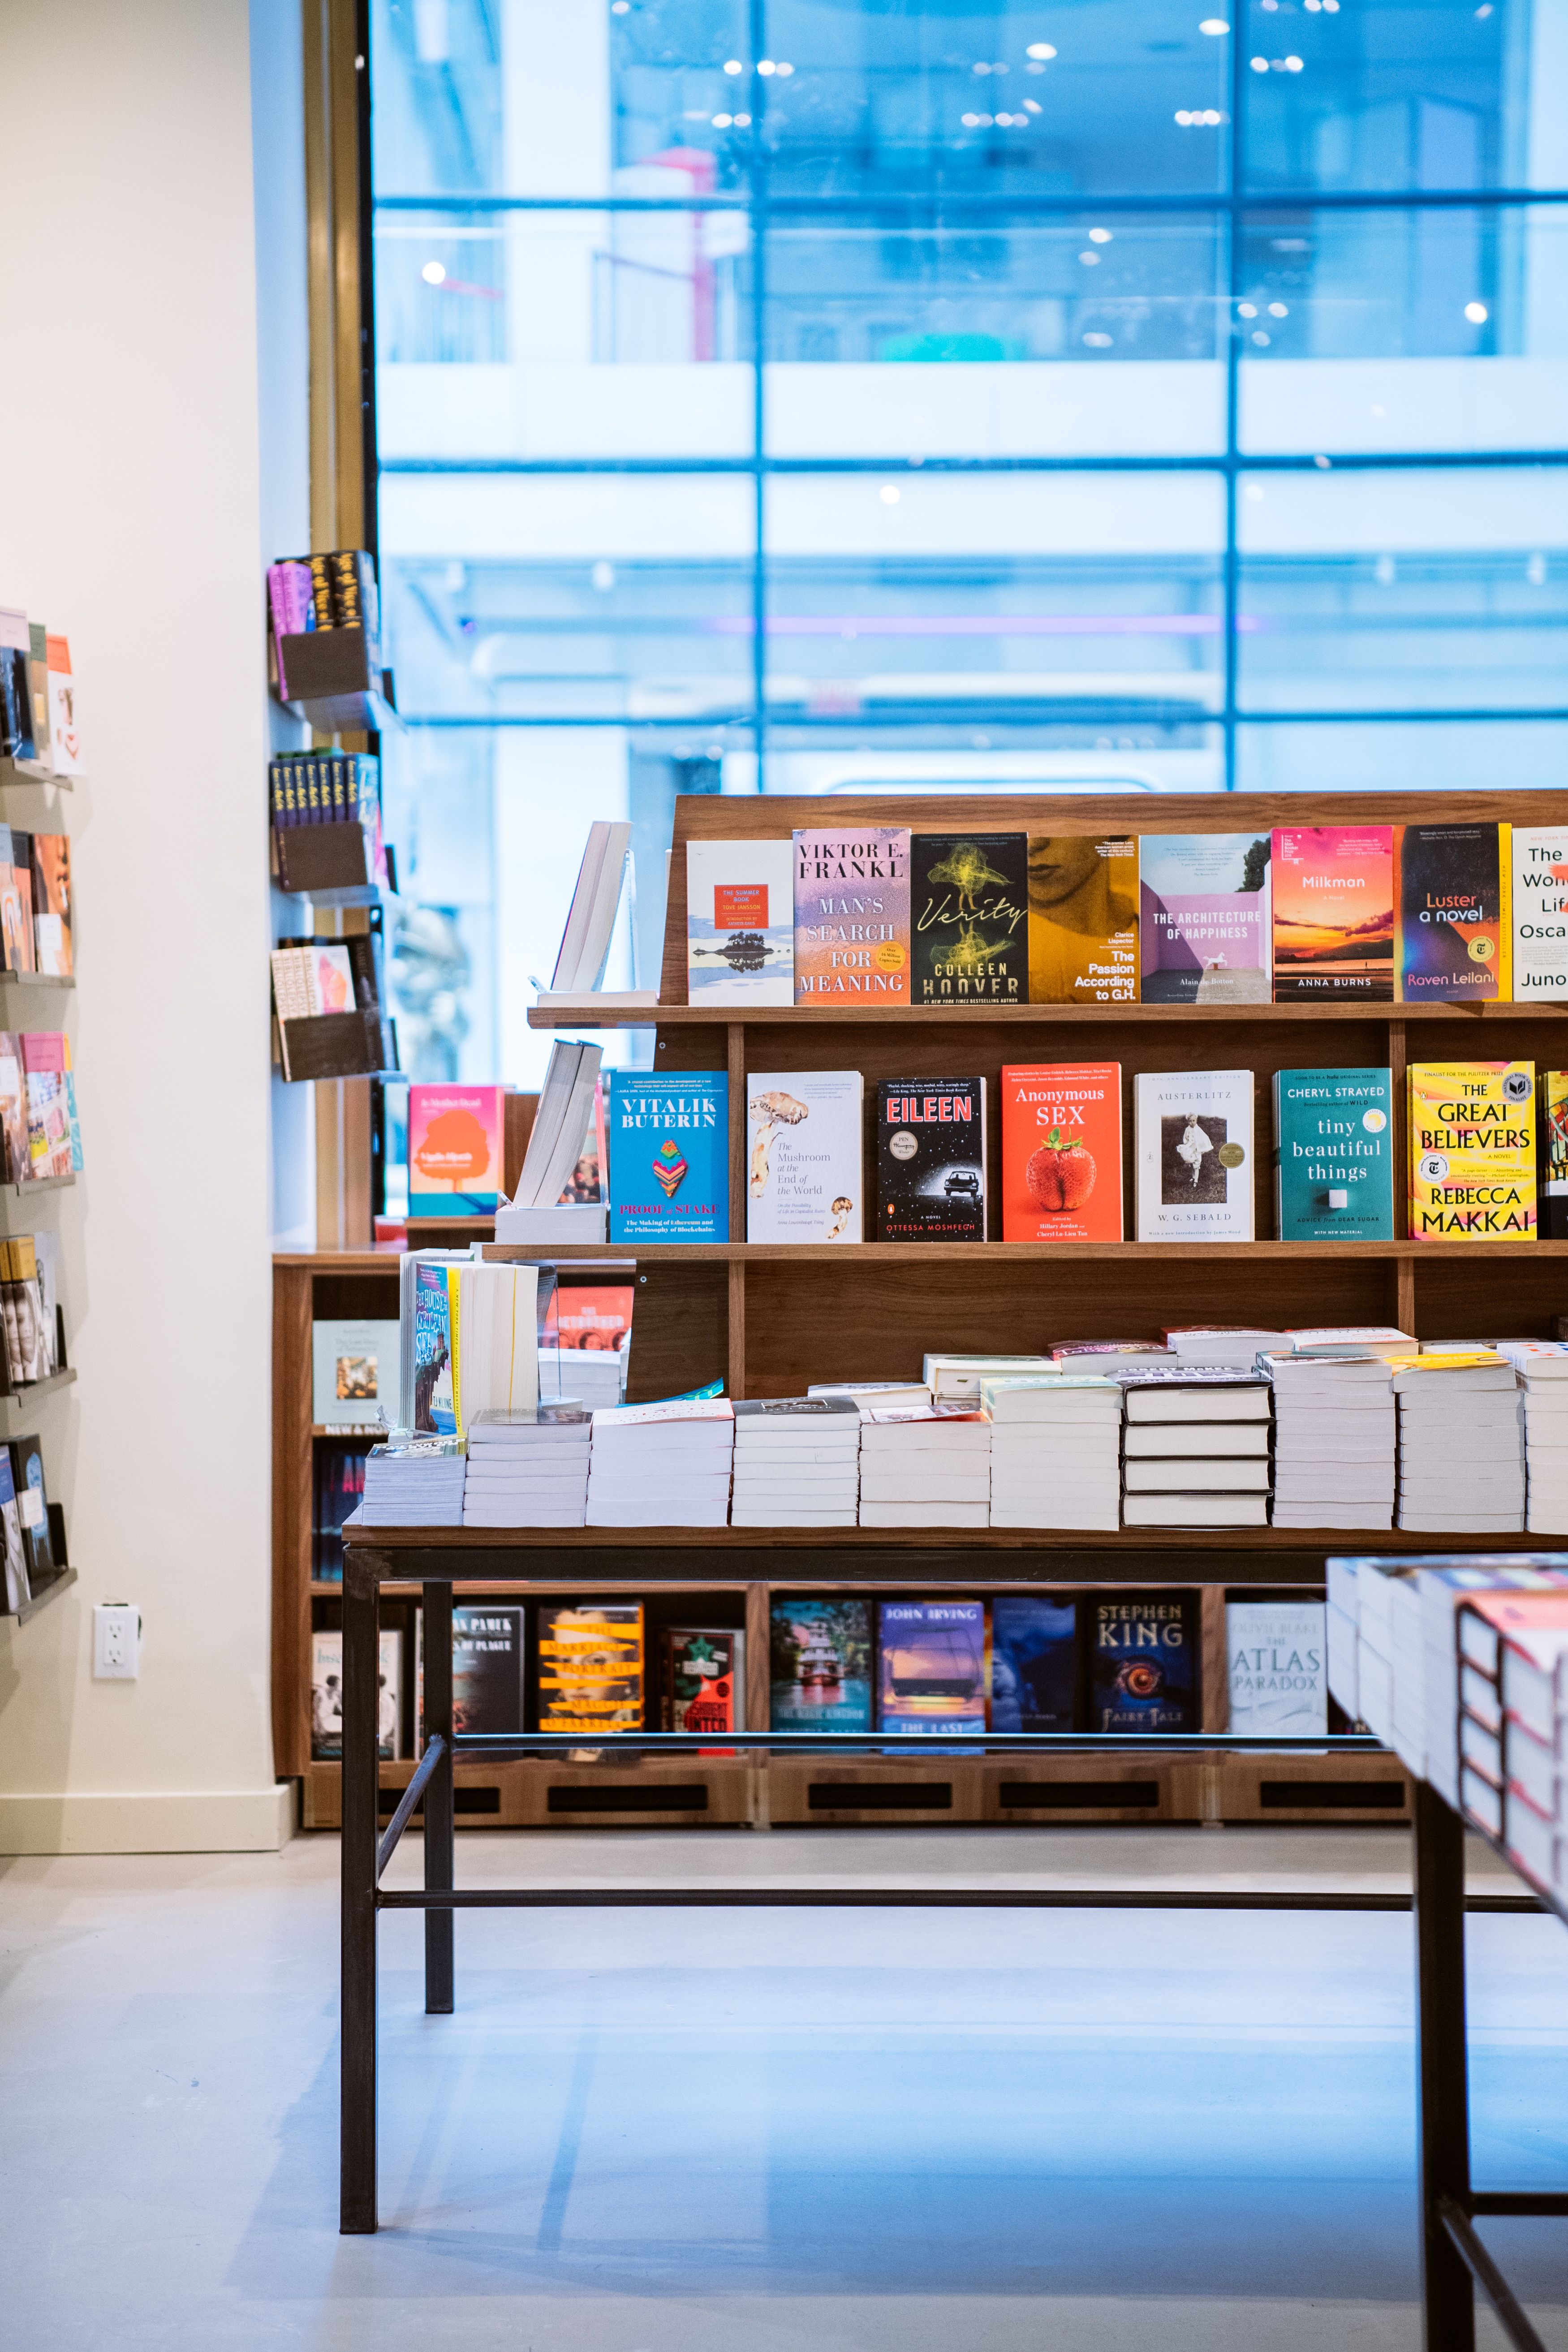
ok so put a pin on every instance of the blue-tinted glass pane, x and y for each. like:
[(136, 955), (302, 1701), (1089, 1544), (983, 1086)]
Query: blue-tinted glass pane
[(1138, 751), (437, 114), (1403, 756)]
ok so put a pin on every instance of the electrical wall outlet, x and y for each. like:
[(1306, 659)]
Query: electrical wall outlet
[(116, 1642)]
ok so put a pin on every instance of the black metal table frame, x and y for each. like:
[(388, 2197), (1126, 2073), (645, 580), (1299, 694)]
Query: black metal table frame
[(1453, 2258)]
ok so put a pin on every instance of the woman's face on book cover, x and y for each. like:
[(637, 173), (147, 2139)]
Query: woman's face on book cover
[(1059, 865)]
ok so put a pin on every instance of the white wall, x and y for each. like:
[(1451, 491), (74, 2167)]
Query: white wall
[(131, 519)]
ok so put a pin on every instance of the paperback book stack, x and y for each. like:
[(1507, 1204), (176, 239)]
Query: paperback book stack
[(1542, 1366), (1461, 1444), (925, 1466), (416, 1482), (661, 1466), (797, 1462), (1196, 1448), (1056, 1452), (527, 1469), (1334, 1440), (1512, 1691)]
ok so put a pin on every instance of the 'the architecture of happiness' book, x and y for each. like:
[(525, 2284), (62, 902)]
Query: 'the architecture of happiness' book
[(1472, 1151), (820, 1665), (1194, 1140), (930, 1159), (455, 1149), (1083, 918), (803, 1180), (1203, 919), (1034, 1662), (668, 1137), (740, 922), (1143, 1660), (1333, 1155), (852, 917), (1455, 933), (1061, 1152), (1333, 889), (931, 1667), (1539, 897), (969, 901)]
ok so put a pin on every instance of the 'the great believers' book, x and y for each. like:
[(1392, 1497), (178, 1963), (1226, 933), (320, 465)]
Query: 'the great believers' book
[(1455, 934), (1203, 919), (1333, 889), (969, 900), (1083, 918), (1144, 1664), (1472, 1151), (803, 1180), (1193, 1139), (1333, 1155), (930, 1159), (668, 1137), (740, 922), (852, 917), (1539, 897), (1061, 1152)]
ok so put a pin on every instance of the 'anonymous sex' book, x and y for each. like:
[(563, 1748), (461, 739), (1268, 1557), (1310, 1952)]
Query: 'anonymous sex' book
[(668, 1137), (852, 917), (1061, 1152), (969, 901)]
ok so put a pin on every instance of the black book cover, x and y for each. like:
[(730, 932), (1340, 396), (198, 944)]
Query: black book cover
[(1143, 1663), (33, 1505), (17, 741), (969, 919), (340, 1491), (930, 1159), (486, 1669)]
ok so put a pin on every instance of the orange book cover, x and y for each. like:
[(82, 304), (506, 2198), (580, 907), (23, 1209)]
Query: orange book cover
[(1061, 1152)]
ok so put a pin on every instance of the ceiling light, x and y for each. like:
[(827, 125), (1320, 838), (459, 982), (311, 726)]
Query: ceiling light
[(722, 122), (1322, 464), (1293, 65), (434, 274), (620, 8), (784, 66), (888, 494), (1098, 342), (743, 122), (1184, 118), (1261, 339), (1248, 310), (1032, 106), (1253, 490), (1477, 313), (1040, 49), (765, 65), (970, 121), (1099, 237), (733, 66), (1279, 310), (1214, 25), (1260, 65), (980, 67), (1090, 260)]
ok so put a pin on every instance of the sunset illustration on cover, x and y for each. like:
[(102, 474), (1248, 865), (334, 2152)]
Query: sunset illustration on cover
[(1333, 911)]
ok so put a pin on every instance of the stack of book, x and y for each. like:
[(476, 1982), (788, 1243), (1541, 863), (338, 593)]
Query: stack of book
[(566, 1124), (925, 1466), (1055, 1451), (415, 1483), (1237, 1345), (955, 1380), (1333, 1441), (1461, 1444), (1196, 1448), (873, 1396), (1542, 1366), (661, 1466), (1513, 1716), (527, 1469), (585, 950), (797, 1462)]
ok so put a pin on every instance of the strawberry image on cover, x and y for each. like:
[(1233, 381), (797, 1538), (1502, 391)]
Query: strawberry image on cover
[(1061, 1152)]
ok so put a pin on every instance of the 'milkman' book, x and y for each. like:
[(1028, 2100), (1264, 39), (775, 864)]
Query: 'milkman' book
[(1333, 913), (930, 1159), (969, 907)]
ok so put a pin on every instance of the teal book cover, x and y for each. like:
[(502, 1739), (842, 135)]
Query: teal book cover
[(668, 1140), (1333, 1155)]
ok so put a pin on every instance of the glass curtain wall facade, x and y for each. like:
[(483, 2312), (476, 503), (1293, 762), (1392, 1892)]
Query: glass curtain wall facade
[(824, 395)]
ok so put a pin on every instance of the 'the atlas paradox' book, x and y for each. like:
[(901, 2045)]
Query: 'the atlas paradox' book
[(1539, 895), (820, 1667), (1144, 1664), (1194, 1137), (1034, 1662), (1472, 1151), (1203, 919), (804, 1169), (852, 917), (740, 923), (1333, 1155), (668, 1139), (1332, 887), (1061, 1152), (931, 1667), (930, 1159), (969, 900), (1454, 935), (1083, 918), (1278, 1661)]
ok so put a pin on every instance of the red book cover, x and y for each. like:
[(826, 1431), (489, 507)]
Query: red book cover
[(1061, 1152)]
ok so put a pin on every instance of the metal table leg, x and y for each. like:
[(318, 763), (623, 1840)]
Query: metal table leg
[(1447, 2295), (440, 1844), (357, 2203)]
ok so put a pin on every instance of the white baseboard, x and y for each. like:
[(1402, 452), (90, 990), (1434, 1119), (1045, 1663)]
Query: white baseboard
[(198, 1820)]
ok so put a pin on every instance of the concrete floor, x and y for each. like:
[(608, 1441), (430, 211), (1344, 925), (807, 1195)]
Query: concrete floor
[(754, 2132)]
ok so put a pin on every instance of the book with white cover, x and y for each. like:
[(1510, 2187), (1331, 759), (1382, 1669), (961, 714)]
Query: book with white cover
[(591, 917), (1277, 1668), (1208, 1439), (1195, 1392), (1236, 1345), (804, 1172), (961, 1376), (355, 1374), (869, 1394), (1353, 1339), (1540, 915), (1195, 1511), (1194, 1155), (740, 922)]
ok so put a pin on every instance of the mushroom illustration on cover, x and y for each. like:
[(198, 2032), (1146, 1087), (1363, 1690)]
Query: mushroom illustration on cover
[(804, 1182)]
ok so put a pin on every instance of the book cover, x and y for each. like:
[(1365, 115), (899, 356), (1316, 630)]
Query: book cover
[(64, 729), (38, 687), (930, 1661), (1333, 889), (488, 1668), (803, 1180), (17, 741), (668, 1137), (591, 1667), (1552, 1151), (1204, 927), (16, 944), (1472, 1151), (338, 1490), (1034, 1662), (327, 1695), (702, 1682), (455, 1147), (13, 1110), (1083, 918), (354, 1373), (48, 1114), (852, 917), (969, 904), (18, 1591), (1144, 1664), (820, 1665), (1278, 1656), (930, 1159), (1193, 1141), (585, 1186), (31, 1508), (22, 877), (52, 903), (1455, 933), (1061, 1152), (740, 922), (1539, 903), (1333, 1155), (434, 1407)]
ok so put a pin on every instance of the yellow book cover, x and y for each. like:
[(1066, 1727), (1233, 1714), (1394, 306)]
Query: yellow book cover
[(1472, 1151), (591, 1667), (1469, 1361), (1083, 918)]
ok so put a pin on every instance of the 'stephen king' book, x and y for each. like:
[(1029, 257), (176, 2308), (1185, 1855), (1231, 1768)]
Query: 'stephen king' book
[(1472, 1151), (930, 1159), (1144, 1664), (740, 923), (1194, 1155), (1083, 918), (668, 1137), (852, 917), (969, 901), (1333, 1155)]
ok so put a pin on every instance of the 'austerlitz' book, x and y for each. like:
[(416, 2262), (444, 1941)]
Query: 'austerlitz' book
[(740, 923), (852, 917), (1194, 1155), (803, 1170)]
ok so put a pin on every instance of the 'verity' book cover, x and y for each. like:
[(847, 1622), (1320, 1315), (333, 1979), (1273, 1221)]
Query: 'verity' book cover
[(930, 1659), (1083, 918), (1143, 1663), (1455, 932), (1203, 919), (1333, 1155), (930, 1159), (852, 917), (740, 923), (668, 1141), (1061, 1152), (969, 901), (1034, 1662), (1333, 889)]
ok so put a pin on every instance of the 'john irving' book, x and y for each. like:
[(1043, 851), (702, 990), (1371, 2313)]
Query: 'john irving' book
[(1144, 1664), (852, 917), (1333, 1155), (668, 1137), (969, 903), (930, 1159)]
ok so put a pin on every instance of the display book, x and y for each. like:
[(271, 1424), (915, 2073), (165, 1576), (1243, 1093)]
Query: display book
[(560, 1190), (41, 1132), (333, 595), (40, 728), (328, 1003), (29, 1536)]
